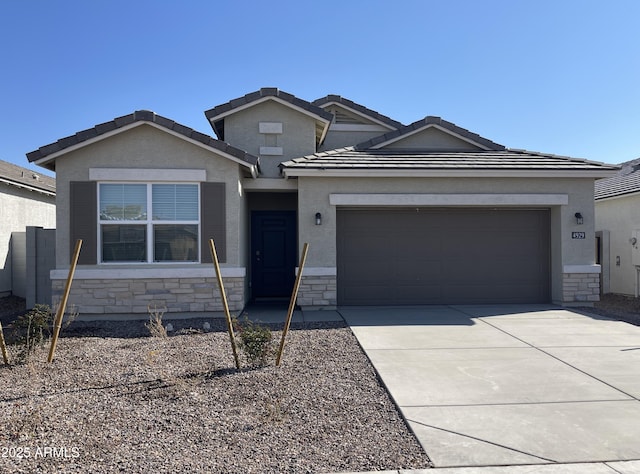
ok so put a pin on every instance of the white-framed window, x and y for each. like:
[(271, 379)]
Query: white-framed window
[(148, 222)]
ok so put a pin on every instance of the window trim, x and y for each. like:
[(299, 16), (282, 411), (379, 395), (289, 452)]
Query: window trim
[(149, 224), (152, 175)]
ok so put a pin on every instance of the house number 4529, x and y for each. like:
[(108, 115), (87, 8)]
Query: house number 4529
[(578, 235)]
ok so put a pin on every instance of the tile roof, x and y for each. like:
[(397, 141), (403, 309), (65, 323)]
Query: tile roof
[(627, 181), (137, 116), (352, 159), (216, 114), (26, 178), (358, 108), (425, 122)]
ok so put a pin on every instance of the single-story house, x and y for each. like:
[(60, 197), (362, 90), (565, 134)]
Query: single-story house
[(27, 199), (617, 207), (426, 213)]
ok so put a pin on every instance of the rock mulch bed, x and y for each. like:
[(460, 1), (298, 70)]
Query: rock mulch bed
[(621, 307), (142, 404)]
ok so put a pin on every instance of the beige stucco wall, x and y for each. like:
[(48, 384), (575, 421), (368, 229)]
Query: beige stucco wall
[(241, 130), (313, 196), (620, 216), (147, 147), (20, 208)]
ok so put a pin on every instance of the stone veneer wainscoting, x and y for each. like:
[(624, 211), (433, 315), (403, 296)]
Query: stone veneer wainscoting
[(581, 288), (318, 291), (98, 297)]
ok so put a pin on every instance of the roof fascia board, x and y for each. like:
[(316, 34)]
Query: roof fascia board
[(360, 114), (423, 128), (27, 187), (264, 99), (447, 173), (325, 130), (91, 141)]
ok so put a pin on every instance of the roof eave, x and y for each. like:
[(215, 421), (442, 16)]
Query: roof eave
[(27, 187), (618, 196)]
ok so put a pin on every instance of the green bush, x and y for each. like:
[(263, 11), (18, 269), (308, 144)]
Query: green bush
[(255, 341)]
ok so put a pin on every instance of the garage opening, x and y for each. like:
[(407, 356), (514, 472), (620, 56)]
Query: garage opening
[(443, 256)]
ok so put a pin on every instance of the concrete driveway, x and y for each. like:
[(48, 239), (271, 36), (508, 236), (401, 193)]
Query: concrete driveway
[(508, 385)]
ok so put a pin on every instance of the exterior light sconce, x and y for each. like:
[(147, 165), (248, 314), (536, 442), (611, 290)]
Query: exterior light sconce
[(579, 218), (318, 218)]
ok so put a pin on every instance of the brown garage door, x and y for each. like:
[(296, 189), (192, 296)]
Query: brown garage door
[(442, 256)]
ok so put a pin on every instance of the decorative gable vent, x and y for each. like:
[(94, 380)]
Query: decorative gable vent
[(341, 117)]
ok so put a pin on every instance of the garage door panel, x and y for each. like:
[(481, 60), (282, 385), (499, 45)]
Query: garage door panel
[(418, 272), (504, 271), (490, 294), (402, 256)]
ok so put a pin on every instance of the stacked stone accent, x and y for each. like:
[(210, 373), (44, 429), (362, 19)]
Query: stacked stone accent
[(133, 296), (580, 287), (318, 291)]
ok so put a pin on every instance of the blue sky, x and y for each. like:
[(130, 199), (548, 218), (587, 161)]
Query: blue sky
[(557, 76)]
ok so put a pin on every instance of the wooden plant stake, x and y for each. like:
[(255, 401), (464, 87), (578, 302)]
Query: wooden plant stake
[(223, 295), (3, 346), (292, 303), (63, 303)]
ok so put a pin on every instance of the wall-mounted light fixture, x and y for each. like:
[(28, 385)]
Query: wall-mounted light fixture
[(579, 218), (318, 218)]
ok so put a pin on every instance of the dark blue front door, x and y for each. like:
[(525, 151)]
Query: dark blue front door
[(273, 253)]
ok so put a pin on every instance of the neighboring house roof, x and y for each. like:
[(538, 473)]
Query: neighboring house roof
[(423, 124), (217, 114), (45, 155), (358, 109), (396, 162), (25, 178), (627, 181)]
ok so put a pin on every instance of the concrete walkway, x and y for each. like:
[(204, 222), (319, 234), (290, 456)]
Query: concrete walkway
[(526, 386)]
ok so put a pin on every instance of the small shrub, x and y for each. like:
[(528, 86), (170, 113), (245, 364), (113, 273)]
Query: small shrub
[(155, 326), (32, 329), (255, 341)]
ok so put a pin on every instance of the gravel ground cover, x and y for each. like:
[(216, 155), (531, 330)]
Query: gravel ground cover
[(621, 307), (116, 400)]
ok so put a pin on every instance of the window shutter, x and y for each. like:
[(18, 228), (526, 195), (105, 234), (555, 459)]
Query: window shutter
[(83, 220), (213, 220)]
